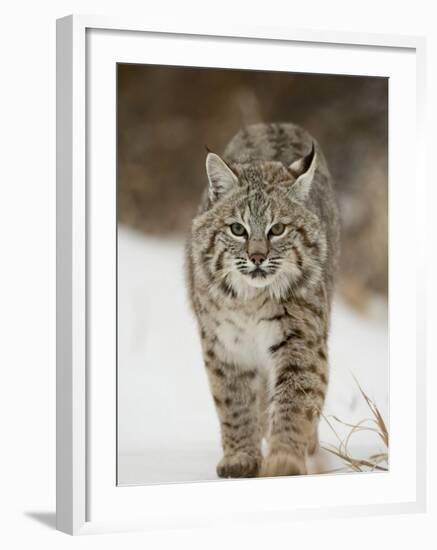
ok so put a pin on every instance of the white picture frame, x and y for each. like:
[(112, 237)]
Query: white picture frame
[(87, 501)]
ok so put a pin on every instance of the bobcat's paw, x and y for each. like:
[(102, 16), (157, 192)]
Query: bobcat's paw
[(282, 464), (238, 465)]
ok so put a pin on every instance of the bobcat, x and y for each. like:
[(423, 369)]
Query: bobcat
[(261, 265)]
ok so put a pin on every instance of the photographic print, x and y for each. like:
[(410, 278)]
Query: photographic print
[(252, 274)]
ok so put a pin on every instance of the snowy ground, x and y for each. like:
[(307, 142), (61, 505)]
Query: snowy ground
[(167, 427)]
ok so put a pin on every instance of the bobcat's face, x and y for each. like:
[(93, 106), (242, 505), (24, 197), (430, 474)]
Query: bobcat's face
[(260, 236), (266, 241)]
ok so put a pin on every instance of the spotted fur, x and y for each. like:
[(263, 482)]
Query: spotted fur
[(264, 325)]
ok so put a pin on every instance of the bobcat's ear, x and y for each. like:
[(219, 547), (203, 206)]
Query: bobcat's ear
[(221, 178), (303, 170)]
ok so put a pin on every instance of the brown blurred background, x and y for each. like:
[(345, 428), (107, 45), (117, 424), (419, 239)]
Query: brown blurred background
[(167, 115)]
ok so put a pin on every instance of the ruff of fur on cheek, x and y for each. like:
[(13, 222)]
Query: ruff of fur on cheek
[(311, 275), (289, 278), (286, 282), (219, 285)]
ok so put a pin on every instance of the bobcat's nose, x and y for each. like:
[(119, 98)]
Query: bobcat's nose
[(257, 258)]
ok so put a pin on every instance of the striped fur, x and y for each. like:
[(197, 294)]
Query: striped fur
[(264, 328)]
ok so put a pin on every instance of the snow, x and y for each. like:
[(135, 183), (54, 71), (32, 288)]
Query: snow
[(167, 425)]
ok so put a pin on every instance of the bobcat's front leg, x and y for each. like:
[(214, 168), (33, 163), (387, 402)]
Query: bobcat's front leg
[(297, 395), (234, 392)]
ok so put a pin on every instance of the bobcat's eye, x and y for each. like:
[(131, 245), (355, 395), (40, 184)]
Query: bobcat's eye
[(238, 229), (277, 229)]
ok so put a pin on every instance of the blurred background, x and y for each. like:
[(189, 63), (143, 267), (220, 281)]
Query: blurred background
[(166, 116)]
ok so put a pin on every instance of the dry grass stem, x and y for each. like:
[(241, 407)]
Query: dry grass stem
[(375, 424)]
